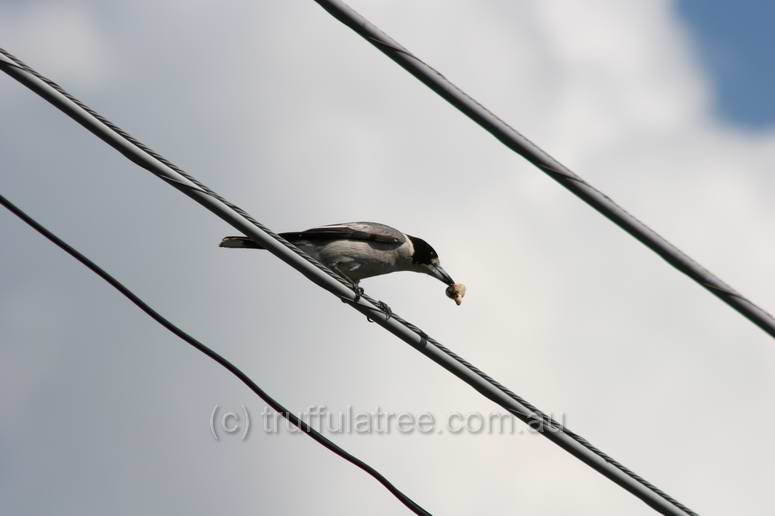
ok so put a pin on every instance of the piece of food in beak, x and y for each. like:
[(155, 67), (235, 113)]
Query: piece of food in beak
[(455, 292)]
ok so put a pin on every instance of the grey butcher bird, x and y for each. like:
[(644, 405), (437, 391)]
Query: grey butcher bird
[(359, 250)]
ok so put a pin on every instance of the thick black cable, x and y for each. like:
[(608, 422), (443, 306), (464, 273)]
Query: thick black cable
[(225, 363), (517, 142), (329, 280)]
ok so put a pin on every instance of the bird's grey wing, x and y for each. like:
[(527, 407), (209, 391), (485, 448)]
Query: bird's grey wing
[(365, 231)]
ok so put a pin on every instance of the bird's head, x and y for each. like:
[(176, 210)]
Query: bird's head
[(426, 260)]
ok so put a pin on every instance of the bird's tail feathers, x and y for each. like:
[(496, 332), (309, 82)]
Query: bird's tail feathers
[(239, 242)]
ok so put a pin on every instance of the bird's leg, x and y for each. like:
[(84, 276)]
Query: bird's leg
[(353, 283), (359, 292)]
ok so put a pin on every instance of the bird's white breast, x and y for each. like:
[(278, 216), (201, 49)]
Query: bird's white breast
[(361, 259)]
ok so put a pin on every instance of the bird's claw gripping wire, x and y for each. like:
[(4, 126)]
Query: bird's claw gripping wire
[(382, 307), (358, 292), (386, 310)]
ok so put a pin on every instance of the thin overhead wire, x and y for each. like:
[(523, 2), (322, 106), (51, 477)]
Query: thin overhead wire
[(327, 279), (203, 348), (515, 141)]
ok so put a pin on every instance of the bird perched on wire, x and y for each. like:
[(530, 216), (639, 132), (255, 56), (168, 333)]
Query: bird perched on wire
[(359, 250)]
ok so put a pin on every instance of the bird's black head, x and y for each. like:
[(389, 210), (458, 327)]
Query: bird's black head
[(426, 260), (424, 254)]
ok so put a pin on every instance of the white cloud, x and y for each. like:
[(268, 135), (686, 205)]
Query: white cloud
[(67, 37)]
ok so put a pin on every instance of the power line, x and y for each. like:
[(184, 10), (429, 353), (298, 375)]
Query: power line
[(199, 346), (515, 141), (325, 278)]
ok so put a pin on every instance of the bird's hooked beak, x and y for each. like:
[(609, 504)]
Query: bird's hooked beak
[(440, 274)]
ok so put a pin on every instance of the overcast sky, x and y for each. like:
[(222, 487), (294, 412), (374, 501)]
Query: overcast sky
[(662, 105)]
